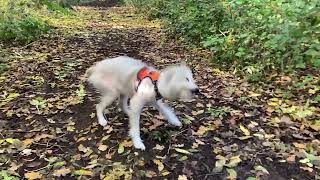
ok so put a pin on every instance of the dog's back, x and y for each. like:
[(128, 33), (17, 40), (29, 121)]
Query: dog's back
[(114, 74)]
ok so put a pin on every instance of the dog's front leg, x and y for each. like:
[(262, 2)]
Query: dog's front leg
[(136, 104), (124, 103), (167, 113)]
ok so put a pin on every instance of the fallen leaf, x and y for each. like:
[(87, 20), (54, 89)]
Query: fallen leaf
[(245, 137), (182, 151), (300, 146), (195, 113), (26, 152), (150, 174), (81, 148), (27, 142), (244, 130), (233, 161), (159, 147), (32, 175), (61, 172), (156, 123), (102, 147), (307, 169), (182, 177), (159, 164), (127, 143), (232, 174), (291, 158), (120, 148), (262, 169), (286, 120), (203, 130), (83, 172)]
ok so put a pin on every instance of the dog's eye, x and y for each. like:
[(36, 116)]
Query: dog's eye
[(187, 79)]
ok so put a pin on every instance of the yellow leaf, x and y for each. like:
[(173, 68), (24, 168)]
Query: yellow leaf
[(182, 177), (165, 173), (300, 146), (27, 142), (159, 164), (32, 175), (234, 161), (273, 104), (203, 129), (10, 140), (252, 94), (245, 137), (244, 130), (182, 151), (83, 172)]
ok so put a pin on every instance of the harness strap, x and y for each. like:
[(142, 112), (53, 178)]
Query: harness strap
[(146, 72)]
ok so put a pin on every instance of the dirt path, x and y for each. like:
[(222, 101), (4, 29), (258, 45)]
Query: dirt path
[(49, 128)]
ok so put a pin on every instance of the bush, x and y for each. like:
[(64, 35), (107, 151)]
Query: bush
[(25, 20), (19, 22), (255, 36)]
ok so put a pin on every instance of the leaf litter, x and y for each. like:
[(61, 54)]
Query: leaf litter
[(234, 130)]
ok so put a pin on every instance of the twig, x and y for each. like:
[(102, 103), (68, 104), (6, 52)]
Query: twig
[(2, 135), (222, 33)]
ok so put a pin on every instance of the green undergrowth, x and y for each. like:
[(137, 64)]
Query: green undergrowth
[(248, 37), (24, 21)]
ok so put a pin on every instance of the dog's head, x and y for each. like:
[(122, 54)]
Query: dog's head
[(176, 82)]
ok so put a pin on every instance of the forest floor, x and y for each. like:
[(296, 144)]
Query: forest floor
[(267, 130)]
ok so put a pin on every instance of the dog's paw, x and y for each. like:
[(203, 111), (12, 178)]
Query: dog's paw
[(102, 122), (177, 123), (139, 145)]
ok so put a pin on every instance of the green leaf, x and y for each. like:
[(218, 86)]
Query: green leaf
[(232, 174), (5, 175), (120, 148), (262, 169), (59, 164), (219, 164), (83, 172), (187, 120), (9, 98)]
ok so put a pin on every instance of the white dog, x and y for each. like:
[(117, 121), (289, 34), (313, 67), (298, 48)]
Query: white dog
[(124, 77)]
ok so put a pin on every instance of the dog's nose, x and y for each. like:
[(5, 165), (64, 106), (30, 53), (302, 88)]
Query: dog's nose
[(195, 91)]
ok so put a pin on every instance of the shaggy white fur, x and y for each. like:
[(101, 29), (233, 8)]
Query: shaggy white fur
[(117, 78)]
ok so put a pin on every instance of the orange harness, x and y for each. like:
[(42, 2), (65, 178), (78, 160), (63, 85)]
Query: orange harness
[(154, 75)]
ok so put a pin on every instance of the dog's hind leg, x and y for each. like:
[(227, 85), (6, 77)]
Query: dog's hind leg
[(168, 113), (106, 100), (124, 103)]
